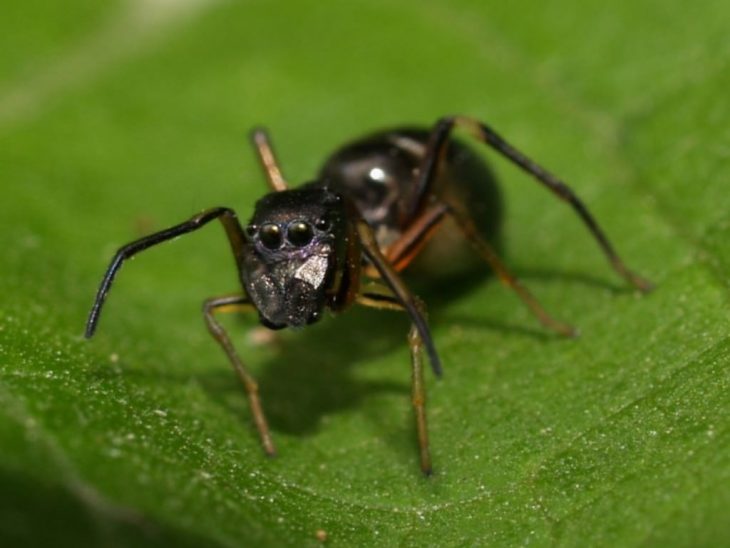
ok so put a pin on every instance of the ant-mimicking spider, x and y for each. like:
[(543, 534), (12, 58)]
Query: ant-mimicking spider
[(344, 237)]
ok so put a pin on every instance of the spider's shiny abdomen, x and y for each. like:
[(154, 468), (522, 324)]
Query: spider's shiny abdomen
[(379, 174)]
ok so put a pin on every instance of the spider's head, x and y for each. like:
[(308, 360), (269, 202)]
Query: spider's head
[(295, 246)]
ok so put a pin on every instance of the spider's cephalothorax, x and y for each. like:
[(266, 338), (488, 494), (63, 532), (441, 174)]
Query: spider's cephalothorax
[(296, 255)]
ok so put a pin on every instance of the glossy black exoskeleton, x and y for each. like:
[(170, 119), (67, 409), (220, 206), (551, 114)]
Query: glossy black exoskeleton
[(378, 205), (379, 171), (296, 256)]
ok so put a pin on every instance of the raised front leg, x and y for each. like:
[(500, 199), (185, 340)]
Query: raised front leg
[(228, 219)]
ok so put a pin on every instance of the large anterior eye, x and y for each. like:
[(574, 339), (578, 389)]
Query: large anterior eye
[(299, 233), (270, 235)]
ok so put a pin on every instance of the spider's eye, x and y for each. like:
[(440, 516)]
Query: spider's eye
[(270, 235), (299, 233), (251, 231), (323, 223)]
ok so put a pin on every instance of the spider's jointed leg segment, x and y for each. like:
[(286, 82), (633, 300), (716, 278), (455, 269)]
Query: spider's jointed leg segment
[(230, 223), (267, 159), (427, 224), (238, 303), (380, 298), (435, 151)]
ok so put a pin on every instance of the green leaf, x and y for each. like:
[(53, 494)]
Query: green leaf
[(117, 119)]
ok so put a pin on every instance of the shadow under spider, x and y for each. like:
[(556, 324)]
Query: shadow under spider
[(312, 372)]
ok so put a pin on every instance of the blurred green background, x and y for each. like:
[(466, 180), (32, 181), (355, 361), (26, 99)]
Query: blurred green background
[(123, 117)]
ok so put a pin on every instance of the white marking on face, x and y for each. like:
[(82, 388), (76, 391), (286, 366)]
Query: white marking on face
[(312, 271)]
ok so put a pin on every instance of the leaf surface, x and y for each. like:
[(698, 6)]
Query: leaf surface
[(123, 119)]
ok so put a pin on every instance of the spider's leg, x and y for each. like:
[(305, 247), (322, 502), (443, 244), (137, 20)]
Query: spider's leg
[(379, 296), (238, 303), (267, 158), (391, 278), (435, 151), (401, 252), (225, 215)]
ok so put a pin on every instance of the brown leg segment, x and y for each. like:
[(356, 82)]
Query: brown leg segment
[(488, 254), (482, 132), (380, 299), (399, 291), (418, 399), (403, 250), (410, 243), (238, 303), (269, 163)]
